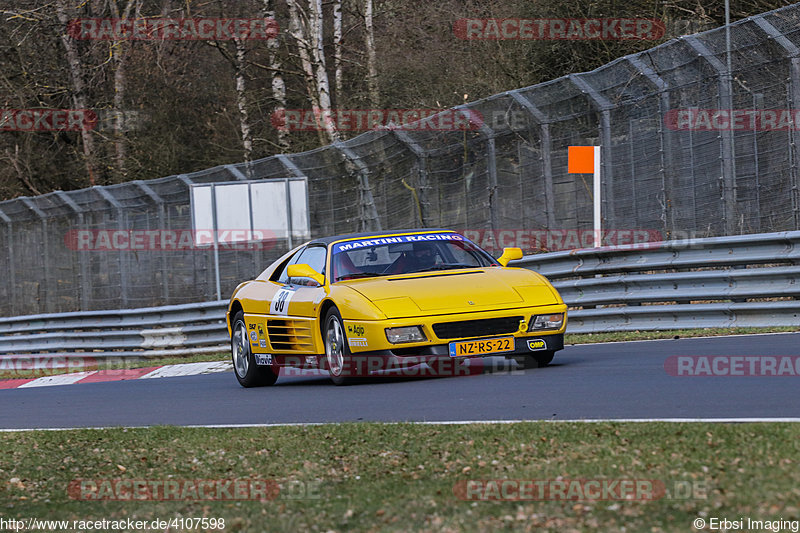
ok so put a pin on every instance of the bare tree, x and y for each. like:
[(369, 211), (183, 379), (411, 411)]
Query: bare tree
[(238, 60), (118, 52), (276, 77), (372, 56), (241, 102), (78, 87), (338, 42), (23, 176), (307, 33)]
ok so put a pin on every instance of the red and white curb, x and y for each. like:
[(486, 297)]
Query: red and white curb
[(122, 374)]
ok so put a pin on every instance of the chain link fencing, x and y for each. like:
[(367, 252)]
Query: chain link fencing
[(664, 170)]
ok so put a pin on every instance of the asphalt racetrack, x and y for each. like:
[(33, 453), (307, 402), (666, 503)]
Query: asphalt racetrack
[(629, 380)]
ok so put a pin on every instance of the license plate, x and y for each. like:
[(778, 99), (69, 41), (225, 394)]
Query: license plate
[(482, 347), (263, 359)]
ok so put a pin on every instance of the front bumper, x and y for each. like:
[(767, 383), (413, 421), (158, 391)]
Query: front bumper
[(522, 345), (370, 336)]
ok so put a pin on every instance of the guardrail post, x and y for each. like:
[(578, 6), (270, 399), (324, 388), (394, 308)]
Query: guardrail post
[(48, 299), (793, 53), (215, 230), (604, 106), (289, 165), (728, 148), (665, 149), (211, 273), (491, 164), (85, 280), (547, 147), (12, 271), (146, 189), (123, 267), (236, 173), (422, 173), (368, 213)]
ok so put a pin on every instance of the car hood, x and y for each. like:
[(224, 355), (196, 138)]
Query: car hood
[(456, 291)]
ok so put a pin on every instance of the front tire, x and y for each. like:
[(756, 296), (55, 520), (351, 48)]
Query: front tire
[(247, 372), (537, 360), (337, 352)]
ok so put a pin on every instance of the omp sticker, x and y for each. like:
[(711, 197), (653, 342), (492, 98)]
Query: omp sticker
[(355, 329), (536, 344), (253, 336), (365, 243), (263, 359), (280, 303), (358, 342)]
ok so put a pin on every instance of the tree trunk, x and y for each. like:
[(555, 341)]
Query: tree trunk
[(372, 59), (318, 55), (120, 86), (276, 78), (337, 52), (78, 87), (309, 45), (241, 103)]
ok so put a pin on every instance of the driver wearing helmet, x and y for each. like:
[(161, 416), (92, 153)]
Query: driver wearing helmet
[(422, 257)]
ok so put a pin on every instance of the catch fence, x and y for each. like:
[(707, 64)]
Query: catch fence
[(672, 167)]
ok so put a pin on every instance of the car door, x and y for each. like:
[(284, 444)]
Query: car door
[(291, 320)]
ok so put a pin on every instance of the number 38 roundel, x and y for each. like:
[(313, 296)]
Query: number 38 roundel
[(280, 303)]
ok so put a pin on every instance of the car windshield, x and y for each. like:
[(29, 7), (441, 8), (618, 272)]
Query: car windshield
[(405, 254)]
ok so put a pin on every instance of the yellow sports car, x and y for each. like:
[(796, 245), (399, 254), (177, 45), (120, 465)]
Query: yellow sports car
[(355, 304)]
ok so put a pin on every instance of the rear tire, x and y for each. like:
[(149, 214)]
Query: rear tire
[(247, 372)]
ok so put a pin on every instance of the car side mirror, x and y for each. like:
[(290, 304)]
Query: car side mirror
[(305, 271), (509, 254)]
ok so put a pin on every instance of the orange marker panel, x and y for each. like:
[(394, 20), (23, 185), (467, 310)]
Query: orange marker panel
[(580, 160)]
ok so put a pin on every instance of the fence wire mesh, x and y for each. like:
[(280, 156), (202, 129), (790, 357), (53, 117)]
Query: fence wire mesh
[(510, 173)]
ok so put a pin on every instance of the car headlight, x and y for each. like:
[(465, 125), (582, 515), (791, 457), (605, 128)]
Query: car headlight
[(542, 322), (405, 334)]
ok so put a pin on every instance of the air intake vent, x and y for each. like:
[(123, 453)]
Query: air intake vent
[(477, 328), (290, 335)]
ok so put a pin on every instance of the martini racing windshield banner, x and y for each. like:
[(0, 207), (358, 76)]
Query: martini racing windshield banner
[(382, 241)]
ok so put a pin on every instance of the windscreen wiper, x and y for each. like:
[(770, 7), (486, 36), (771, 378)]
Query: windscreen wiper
[(355, 275), (443, 266)]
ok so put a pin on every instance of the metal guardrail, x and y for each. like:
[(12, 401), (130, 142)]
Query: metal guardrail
[(720, 282), (153, 331), (716, 282)]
